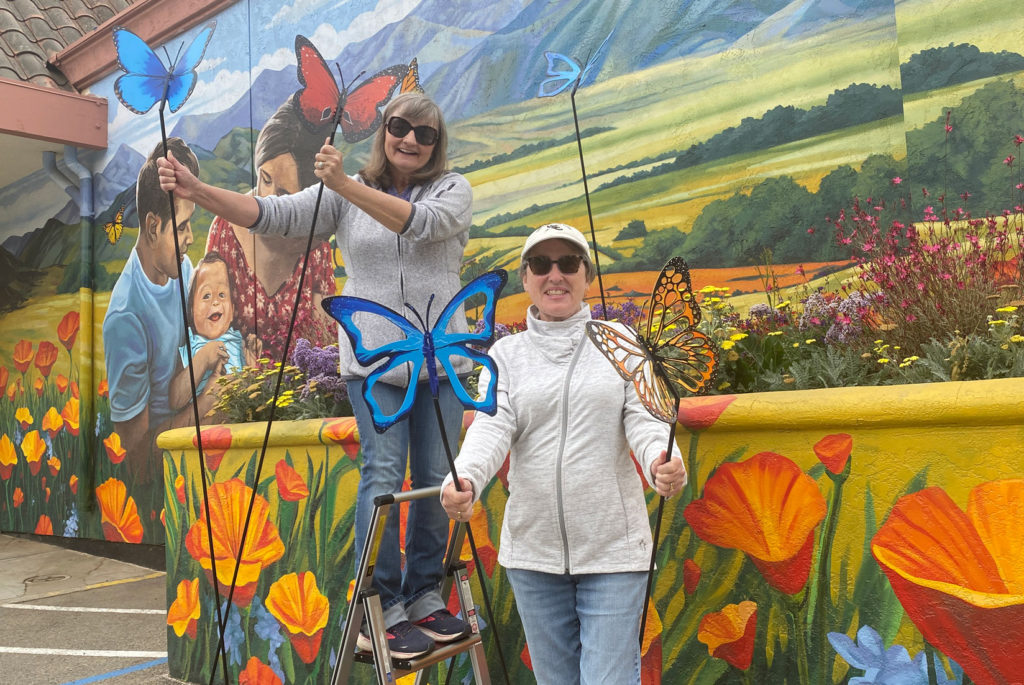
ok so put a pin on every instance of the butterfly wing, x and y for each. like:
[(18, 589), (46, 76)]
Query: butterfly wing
[(594, 58), (689, 359), (448, 345), (407, 349), (562, 73), (319, 96), (411, 82), (631, 359), (183, 75), (143, 83), (363, 105)]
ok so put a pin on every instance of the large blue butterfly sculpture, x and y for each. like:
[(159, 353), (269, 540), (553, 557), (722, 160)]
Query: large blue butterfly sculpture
[(424, 345), (564, 72), (147, 80)]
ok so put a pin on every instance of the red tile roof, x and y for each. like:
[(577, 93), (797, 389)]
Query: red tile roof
[(33, 30)]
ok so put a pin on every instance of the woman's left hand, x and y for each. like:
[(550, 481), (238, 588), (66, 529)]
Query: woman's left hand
[(329, 167), (668, 477)]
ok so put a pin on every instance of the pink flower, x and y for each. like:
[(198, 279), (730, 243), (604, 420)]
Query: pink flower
[(1009, 160), (1018, 139), (896, 180)]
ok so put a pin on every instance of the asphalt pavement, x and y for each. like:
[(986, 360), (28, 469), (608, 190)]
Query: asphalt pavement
[(72, 618)]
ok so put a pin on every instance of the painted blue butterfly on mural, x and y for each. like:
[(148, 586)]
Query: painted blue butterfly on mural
[(564, 72), (424, 345), (148, 80)]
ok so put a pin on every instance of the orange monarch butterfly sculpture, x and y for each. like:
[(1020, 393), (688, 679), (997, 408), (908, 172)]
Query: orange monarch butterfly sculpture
[(667, 353)]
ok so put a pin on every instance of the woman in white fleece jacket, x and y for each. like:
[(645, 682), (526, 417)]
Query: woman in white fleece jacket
[(576, 540)]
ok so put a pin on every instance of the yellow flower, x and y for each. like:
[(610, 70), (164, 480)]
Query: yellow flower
[(775, 333), (727, 344), (708, 289), (796, 344), (782, 305), (996, 322), (737, 336), (811, 341), (883, 360), (1008, 309), (1017, 338)]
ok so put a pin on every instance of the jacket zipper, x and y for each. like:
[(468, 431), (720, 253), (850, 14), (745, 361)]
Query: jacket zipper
[(561, 452)]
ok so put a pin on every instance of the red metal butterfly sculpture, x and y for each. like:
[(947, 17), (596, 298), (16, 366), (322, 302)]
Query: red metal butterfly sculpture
[(319, 98)]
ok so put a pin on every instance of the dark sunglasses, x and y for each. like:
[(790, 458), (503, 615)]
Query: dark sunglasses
[(567, 264), (399, 128)]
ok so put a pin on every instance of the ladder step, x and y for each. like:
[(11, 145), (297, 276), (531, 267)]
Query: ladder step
[(442, 652)]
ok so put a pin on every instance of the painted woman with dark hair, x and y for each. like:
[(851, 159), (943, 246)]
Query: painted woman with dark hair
[(264, 269)]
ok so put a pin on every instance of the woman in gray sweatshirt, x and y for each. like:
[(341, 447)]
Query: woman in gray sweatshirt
[(576, 539), (401, 225)]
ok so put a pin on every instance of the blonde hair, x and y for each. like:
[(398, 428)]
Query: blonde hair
[(418, 106)]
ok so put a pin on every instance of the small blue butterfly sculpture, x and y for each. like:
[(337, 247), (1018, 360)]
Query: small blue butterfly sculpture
[(147, 80), (424, 345), (564, 72)]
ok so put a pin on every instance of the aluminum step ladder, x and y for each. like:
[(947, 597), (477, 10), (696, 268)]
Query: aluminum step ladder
[(365, 603)]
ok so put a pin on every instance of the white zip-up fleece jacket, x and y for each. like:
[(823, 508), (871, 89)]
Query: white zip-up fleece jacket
[(388, 268), (576, 504)]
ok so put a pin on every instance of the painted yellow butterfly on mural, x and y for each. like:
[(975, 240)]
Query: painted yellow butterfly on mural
[(115, 228)]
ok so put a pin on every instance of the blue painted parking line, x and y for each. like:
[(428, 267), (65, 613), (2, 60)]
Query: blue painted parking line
[(119, 672)]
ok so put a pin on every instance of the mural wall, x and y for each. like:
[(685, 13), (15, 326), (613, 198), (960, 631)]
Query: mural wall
[(708, 130)]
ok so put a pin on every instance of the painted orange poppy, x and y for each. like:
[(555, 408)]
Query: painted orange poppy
[(482, 537), (14, 389), (766, 507), (52, 422), (229, 502), (54, 464), (729, 633), (691, 576), (290, 485), (62, 383), (258, 673), (44, 526), (700, 412), (24, 417), (103, 389), (70, 415), (116, 453), (73, 484), (22, 355), (5, 376), (960, 574), (302, 609), (46, 357), (216, 443), (343, 432), (39, 386), (74, 390), (8, 457), (67, 329), (183, 614), (179, 488), (119, 514), (834, 451), (17, 497), (33, 447)]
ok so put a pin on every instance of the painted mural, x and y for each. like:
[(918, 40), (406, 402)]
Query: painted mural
[(713, 131)]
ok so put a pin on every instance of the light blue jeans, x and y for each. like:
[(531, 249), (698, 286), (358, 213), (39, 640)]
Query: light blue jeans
[(581, 629), (414, 594)]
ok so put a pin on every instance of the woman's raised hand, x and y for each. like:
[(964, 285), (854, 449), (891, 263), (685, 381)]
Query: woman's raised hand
[(176, 178), (329, 166)]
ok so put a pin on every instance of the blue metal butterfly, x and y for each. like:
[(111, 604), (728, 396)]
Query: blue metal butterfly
[(423, 345), (564, 72), (147, 80)]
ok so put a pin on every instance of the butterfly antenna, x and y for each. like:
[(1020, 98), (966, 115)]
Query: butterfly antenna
[(419, 318), (586, 193)]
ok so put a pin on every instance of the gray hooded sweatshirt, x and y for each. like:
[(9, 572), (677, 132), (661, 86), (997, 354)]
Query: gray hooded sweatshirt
[(576, 503), (388, 268)]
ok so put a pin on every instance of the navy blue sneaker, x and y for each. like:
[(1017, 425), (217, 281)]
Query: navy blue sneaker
[(441, 626), (404, 641)]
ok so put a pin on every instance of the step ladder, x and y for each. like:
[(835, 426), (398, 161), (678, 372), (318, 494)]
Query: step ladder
[(365, 603)]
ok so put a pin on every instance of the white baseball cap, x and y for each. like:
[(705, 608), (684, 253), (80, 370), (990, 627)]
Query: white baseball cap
[(550, 231)]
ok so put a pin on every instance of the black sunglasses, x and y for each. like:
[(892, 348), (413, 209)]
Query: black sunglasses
[(567, 264), (399, 128)]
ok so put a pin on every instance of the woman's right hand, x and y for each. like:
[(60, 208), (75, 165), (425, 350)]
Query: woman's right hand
[(176, 178), (458, 503)]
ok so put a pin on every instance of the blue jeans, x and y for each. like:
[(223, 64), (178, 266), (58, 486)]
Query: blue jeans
[(416, 593), (581, 629)]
